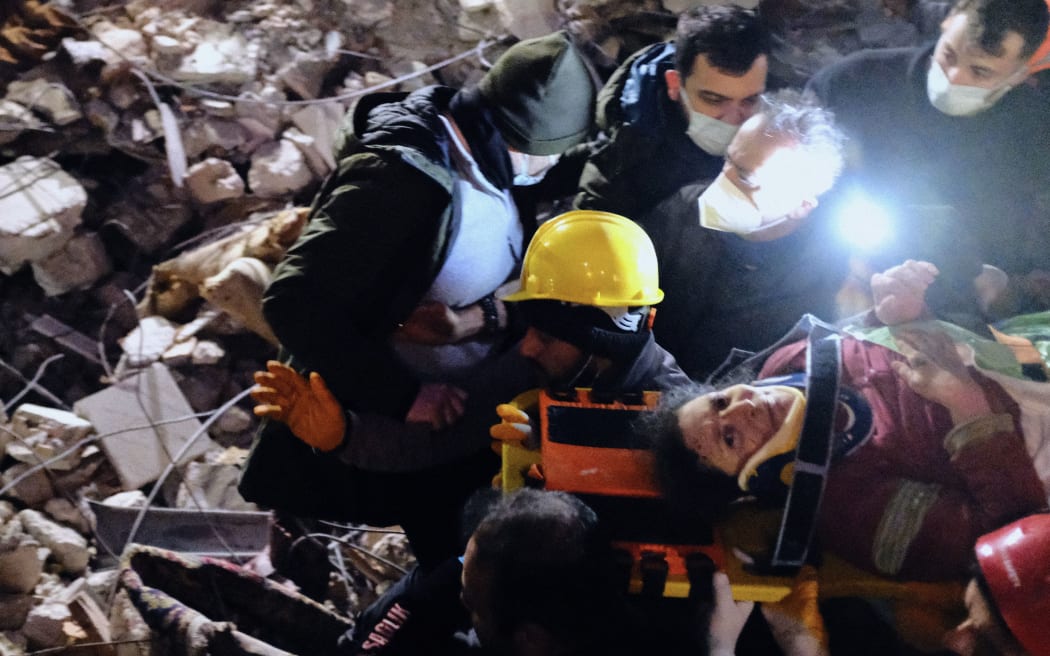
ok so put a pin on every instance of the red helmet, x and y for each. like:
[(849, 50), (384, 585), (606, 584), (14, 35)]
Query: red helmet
[(1015, 561)]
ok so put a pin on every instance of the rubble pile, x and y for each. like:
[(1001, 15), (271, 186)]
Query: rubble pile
[(156, 159)]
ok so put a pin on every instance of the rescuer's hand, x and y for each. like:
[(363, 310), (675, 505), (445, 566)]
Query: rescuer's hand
[(900, 291), (438, 404), (795, 620), (308, 407), (727, 618), (514, 427), (432, 323)]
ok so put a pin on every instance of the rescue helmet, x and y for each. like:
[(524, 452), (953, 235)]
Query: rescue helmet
[(590, 258), (1015, 563)]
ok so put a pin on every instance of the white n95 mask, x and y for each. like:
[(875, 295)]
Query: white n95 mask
[(530, 169), (710, 134), (959, 99), (724, 207)]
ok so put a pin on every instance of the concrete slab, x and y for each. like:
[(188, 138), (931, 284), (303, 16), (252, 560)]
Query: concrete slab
[(143, 420)]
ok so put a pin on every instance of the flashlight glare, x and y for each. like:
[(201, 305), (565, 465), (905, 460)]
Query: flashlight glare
[(864, 224)]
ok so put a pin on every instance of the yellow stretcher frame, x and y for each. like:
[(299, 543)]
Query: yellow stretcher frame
[(931, 607)]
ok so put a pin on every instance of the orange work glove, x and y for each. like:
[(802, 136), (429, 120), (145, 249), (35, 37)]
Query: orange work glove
[(795, 620), (515, 426), (309, 408)]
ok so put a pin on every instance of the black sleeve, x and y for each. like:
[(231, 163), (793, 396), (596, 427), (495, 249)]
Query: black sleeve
[(420, 614)]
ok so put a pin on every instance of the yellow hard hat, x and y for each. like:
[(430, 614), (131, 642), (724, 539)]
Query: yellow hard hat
[(590, 258)]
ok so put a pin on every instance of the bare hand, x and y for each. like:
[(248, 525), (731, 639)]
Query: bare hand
[(437, 404), (727, 618), (900, 292), (431, 323), (935, 371)]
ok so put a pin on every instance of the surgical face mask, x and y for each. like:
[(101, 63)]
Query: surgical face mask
[(724, 207), (709, 134), (530, 169), (959, 99)]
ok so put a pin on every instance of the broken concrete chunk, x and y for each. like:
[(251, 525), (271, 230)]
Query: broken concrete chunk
[(21, 559), (219, 59), (45, 627), (214, 135), (207, 352), (306, 73), (213, 180), (142, 419), (220, 108), (180, 353), (67, 337), (7, 511), (321, 121), (165, 45), (21, 565), (83, 53), (123, 94), (211, 487), (14, 608), (235, 420), (527, 18), (38, 214), (14, 120), (278, 169), (262, 106), (33, 489), (102, 115), (68, 548), (129, 499), (65, 512), (310, 150), (121, 43), (52, 99), (44, 450), (79, 264), (60, 424), (148, 340)]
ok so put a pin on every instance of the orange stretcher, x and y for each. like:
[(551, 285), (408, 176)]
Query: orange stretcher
[(587, 448)]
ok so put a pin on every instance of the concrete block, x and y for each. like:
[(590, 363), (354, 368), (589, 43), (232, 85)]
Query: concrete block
[(21, 559), (213, 180), (33, 490), (148, 341), (68, 548), (60, 424), (144, 420), (38, 216), (46, 625), (278, 169), (52, 99)]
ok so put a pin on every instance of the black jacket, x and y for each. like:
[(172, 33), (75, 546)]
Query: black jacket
[(646, 155)]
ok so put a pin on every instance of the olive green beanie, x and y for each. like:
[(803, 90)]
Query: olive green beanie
[(541, 95)]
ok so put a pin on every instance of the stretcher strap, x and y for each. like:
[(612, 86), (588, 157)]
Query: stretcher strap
[(823, 367)]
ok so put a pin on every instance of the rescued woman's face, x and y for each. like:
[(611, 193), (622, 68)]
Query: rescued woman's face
[(725, 428)]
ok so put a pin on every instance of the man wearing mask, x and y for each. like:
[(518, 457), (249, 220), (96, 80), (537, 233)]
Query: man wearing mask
[(739, 260), (671, 109), (389, 293), (956, 123)]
